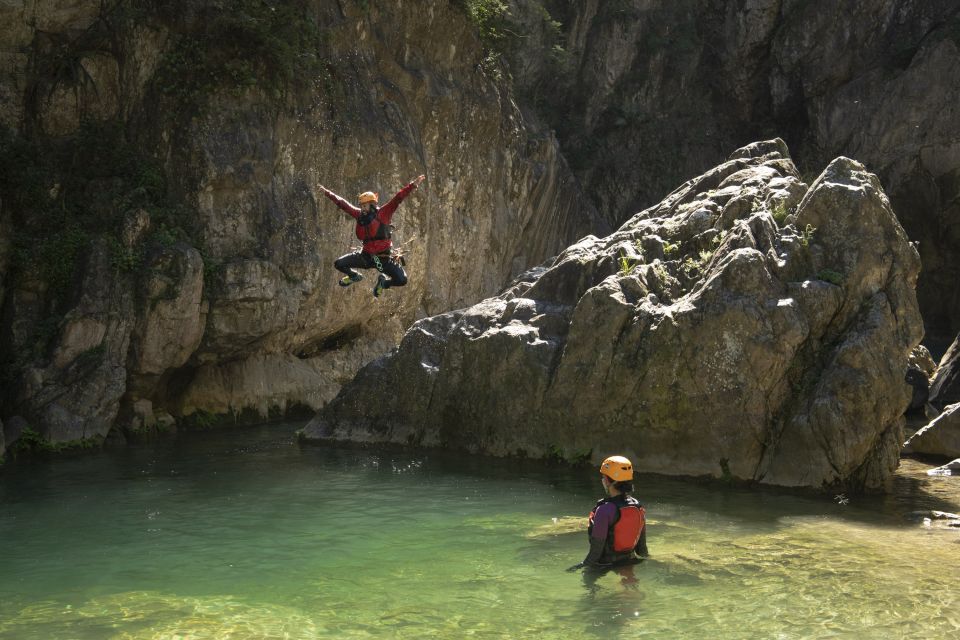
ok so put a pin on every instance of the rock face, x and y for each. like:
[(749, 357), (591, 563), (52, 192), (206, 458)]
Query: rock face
[(749, 326), (920, 368), (675, 85), (945, 387), (237, 307), (941, 437)]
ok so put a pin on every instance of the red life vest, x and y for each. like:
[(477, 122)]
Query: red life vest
[(373, 230), (625, 531)]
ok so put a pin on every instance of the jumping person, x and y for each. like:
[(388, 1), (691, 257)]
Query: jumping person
[(373, 229), (618, 528)]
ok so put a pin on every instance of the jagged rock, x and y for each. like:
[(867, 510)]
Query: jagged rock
[(940, 437), (246, 162), (75, 396), (879, 82), (952, 468), (945, 387), (172, 322), (700, 339), (920, 368)]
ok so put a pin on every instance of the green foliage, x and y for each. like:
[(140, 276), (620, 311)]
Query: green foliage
[(270, 44), (124, 259), (807, 235), (780, 212), (626, 264), (831, 276), (30, 442), (202, 420), (671, 249)]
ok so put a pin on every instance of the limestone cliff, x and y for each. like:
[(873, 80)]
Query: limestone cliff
[(171, 253), (648, 92), (750, 326)]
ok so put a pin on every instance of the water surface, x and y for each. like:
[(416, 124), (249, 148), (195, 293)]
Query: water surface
[(245, 534)]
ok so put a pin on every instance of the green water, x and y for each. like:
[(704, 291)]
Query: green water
[(245, 534)]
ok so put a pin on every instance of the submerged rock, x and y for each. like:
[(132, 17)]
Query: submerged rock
[(748, 327)]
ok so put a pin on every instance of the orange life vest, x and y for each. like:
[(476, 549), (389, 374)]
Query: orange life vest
[(625, 531)]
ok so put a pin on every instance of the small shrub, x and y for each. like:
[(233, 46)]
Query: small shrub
[(780, 212), (831, 276), (671, 249), (807, 235)]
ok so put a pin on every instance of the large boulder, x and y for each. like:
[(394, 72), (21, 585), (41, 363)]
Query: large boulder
[(749, 327), (941, 437), (945, 386), (674, 85)]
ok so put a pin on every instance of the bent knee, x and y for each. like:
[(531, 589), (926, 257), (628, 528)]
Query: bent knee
[(398, 281)]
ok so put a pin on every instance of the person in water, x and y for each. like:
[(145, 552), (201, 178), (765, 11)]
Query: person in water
[(618, 528), (374, 231)]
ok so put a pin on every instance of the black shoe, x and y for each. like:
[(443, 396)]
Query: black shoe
[(380, 286), (346, 281)]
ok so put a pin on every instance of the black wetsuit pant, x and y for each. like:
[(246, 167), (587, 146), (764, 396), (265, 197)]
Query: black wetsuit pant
[(396, 276)]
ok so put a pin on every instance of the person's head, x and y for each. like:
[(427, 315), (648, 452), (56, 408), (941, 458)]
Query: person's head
[(616, 473), (368, 200)]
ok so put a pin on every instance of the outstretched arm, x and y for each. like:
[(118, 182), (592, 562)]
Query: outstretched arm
[(340, 202), (386, 211)]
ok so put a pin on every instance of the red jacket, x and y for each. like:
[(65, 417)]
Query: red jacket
[(384, 215)]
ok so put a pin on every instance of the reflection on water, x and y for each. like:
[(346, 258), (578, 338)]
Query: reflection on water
[(246, 535)]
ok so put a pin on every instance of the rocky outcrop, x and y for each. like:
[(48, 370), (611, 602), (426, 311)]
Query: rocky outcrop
[(75, 394), (920, 369), (658, 83), (941, 437), (750, 326), (223, 299), (945, 387)]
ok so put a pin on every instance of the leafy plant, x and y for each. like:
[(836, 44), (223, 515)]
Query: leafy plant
[(807, 235), (670, 249), (626, 263), (831, 276), (780, 212)]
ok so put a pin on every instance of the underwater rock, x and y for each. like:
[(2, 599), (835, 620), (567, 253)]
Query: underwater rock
[(748, 327)]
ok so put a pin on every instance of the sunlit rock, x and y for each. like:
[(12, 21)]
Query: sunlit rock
[(748, 327)]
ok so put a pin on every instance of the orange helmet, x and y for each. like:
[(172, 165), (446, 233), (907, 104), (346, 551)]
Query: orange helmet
[(617, 468), (368, 196)]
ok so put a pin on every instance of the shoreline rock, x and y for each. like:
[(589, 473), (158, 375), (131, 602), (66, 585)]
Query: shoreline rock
[(746, 328)]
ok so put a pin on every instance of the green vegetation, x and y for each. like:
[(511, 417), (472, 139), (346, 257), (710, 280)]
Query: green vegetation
[(671, 249), (831, 276), (807, 235), (780, 212), (202, 420), (626, 264), (31, 443), (506, 40), (269, 44)]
